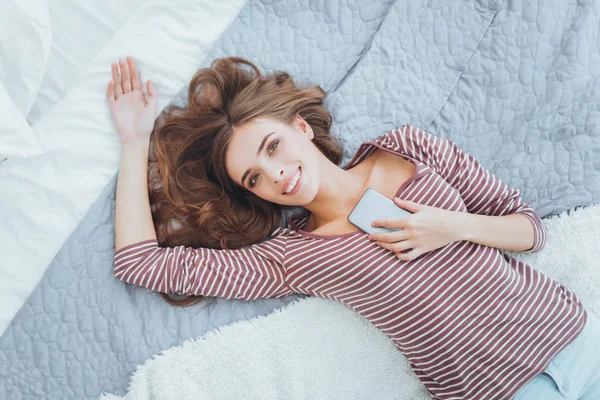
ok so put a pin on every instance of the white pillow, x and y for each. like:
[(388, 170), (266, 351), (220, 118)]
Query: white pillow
[(16, 136), (25, 38)]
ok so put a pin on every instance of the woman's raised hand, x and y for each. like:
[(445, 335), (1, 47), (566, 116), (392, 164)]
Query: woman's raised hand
[(133, 114)]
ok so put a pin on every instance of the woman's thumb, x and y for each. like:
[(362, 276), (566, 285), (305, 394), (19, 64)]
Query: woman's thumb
[(150, 89), (151, 101)]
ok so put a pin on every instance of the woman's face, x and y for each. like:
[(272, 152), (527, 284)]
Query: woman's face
[(268, 157)]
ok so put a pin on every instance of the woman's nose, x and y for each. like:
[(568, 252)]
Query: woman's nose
[(279, 175)]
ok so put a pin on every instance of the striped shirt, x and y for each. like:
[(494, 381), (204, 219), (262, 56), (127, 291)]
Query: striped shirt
[(473, 322)]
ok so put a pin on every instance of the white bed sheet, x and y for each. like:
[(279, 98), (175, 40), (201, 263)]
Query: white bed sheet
[(80, 29), (43, 198)]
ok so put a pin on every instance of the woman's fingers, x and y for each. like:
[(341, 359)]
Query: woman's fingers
[(110, 92), (134, 74), (394, 236), (125, 79), (116, 80), (408, 255), (150, 89), (397, 246), (151, 94)]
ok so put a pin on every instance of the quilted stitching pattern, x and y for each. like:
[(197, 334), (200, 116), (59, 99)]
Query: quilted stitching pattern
[(412, 67), (527, 104)]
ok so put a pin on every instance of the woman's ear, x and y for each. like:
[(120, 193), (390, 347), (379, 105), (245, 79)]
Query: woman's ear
[(304, 127)]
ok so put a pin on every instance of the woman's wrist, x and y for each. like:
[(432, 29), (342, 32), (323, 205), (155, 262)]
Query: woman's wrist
[(137, 144), (459, 225)]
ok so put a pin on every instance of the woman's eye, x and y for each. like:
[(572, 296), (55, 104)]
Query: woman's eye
[(272, 148)]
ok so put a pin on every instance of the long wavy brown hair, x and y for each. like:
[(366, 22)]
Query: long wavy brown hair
[(194, 202)]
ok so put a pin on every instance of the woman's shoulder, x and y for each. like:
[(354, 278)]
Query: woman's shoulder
[(405, 140), (415, 142), (405, 134)]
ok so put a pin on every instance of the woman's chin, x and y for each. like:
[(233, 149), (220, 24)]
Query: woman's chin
[(298, 200)]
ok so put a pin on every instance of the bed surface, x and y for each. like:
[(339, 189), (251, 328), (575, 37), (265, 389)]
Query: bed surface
[(514, 83), (71, 49)]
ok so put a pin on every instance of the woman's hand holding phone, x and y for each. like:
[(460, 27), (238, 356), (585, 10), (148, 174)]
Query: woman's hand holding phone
[(427, 229), (133, 114)]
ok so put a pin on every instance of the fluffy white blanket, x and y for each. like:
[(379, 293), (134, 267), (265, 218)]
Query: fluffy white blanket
[(319, 349)]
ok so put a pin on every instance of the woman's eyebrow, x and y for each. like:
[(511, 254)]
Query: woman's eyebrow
[(260, 147)]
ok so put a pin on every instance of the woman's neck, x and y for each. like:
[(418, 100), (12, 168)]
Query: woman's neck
[(339, 192)]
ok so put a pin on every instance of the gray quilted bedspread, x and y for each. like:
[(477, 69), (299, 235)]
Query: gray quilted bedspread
[(516, 83)]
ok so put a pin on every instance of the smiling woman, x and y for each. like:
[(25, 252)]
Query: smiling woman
[(220, 166), (473, 322)]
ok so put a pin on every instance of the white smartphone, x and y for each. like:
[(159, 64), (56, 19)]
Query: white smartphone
[(373, 206)]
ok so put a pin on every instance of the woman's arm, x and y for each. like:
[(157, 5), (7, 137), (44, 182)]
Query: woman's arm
[(133, 218), (250, 273), (133, 116), (483, 193), (514, 232)]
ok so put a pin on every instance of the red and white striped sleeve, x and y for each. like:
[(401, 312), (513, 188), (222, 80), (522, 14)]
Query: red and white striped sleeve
[(482, 191), (252, 272)]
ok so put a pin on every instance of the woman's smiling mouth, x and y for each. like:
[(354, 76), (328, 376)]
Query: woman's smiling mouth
[(293, 184)]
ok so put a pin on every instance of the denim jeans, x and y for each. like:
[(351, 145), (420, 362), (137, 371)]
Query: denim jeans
[(573, 373)]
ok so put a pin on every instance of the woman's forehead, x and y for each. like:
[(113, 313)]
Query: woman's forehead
[(257, 124)]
